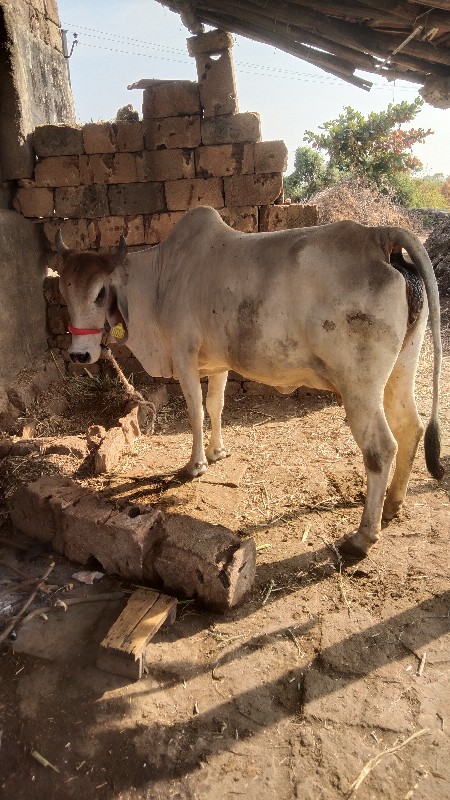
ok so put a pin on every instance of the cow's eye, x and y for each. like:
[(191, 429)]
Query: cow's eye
[(101, 295)]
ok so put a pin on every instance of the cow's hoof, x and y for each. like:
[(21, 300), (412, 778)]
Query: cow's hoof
[(349, 547), (195, 468), (391, 510), (216, 454)]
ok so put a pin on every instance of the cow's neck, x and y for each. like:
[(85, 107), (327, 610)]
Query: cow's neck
[(137, 300)]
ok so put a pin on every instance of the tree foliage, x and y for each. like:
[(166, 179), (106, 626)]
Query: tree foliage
[(376, 148)]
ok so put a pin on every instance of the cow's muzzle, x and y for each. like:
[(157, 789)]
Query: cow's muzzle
[(82, 358)]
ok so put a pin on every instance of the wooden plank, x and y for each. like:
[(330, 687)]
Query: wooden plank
[(123, 648)]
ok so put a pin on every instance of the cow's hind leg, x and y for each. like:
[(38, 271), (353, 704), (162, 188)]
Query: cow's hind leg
[(369, 427), (404, 422), (214, 407)]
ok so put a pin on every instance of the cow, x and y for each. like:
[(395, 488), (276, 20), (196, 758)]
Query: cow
[(334, 307)]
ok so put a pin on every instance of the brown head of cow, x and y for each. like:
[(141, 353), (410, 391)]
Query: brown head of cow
[(88, 282)]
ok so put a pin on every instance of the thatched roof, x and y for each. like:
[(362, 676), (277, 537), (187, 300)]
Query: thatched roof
[(407, 40)]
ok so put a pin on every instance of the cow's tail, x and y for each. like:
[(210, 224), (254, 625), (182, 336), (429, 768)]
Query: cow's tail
[(398, 237)]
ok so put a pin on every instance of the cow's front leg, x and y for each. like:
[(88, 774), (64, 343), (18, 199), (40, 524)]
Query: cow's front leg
[(192, 391), (214, 406)]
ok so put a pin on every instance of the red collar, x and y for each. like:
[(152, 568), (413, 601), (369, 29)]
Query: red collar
[(83, 331)]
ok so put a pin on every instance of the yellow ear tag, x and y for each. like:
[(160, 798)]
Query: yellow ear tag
[(118, 331)]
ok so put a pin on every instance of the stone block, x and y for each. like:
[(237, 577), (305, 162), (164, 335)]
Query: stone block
[(184, 194), (271, 156), (74, 232), (241, 190), (209, 42), (158, 226), (51, 10), (51, 290), (99, 137), (108, 168), (283, 217), (223, 129), (187, 556), (217, 84), (129, 136), (224, 159), (110, 452), (81, 201), (172, 132), (171, 99), (106, 231), (165, 165), (58, 140), (131, 199), (34, 202), (58, 171), (243, 219)]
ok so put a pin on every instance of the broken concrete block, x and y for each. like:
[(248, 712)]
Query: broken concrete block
[(177, 553), (110, 451)]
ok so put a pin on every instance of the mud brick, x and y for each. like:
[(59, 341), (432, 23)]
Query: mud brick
[(74, 233), (130, 199), (271, 156), (51, 291), (233, 128), (158, 226), (58, 171), (224, 159), (108, 168), (99, 137), (58, 140), (34, 202), (129, 136), (171, 99), (283, 217), (169, 165), (106, 232), (217, 84), (82, 201), (255, 190), (243, 219), (57, 319), (172, 132), (184, 194), (209, 42)]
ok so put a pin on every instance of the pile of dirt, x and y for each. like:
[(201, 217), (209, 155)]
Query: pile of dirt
[(438, 247), (361, 202)]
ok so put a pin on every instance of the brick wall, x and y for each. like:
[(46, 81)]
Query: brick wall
[(137, 178)]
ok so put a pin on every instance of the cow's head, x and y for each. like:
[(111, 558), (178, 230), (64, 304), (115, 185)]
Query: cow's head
[(88, 282)]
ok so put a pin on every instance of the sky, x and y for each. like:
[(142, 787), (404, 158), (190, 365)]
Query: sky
[(122, 41)]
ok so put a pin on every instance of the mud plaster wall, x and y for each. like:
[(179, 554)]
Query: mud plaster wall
[(34, 89), (138, 175)]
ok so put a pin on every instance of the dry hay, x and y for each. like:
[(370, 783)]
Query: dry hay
[(438, 247), (359, 201)]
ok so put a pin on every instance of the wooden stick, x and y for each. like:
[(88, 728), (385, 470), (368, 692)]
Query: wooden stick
[(74, 601), (376, 759), (10, 627)]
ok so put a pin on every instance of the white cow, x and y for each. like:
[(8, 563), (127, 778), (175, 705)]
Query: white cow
[(331, 307)]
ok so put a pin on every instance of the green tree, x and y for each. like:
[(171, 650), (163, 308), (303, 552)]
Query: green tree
[(375, 147), (311, 172)]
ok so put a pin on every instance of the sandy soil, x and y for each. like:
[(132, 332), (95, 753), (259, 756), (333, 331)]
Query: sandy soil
[(325, 666)]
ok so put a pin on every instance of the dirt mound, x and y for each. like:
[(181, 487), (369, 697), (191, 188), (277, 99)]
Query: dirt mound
[(438, 247), (359, 201)]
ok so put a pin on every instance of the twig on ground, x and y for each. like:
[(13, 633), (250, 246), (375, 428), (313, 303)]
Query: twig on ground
[(74, 601), (422, 664), (367, 769), (5, 633)]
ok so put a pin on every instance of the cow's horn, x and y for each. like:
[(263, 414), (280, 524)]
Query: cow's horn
[(60, 246), (122, 251)]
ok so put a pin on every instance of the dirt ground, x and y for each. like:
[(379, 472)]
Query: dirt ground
[(325, 666)]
